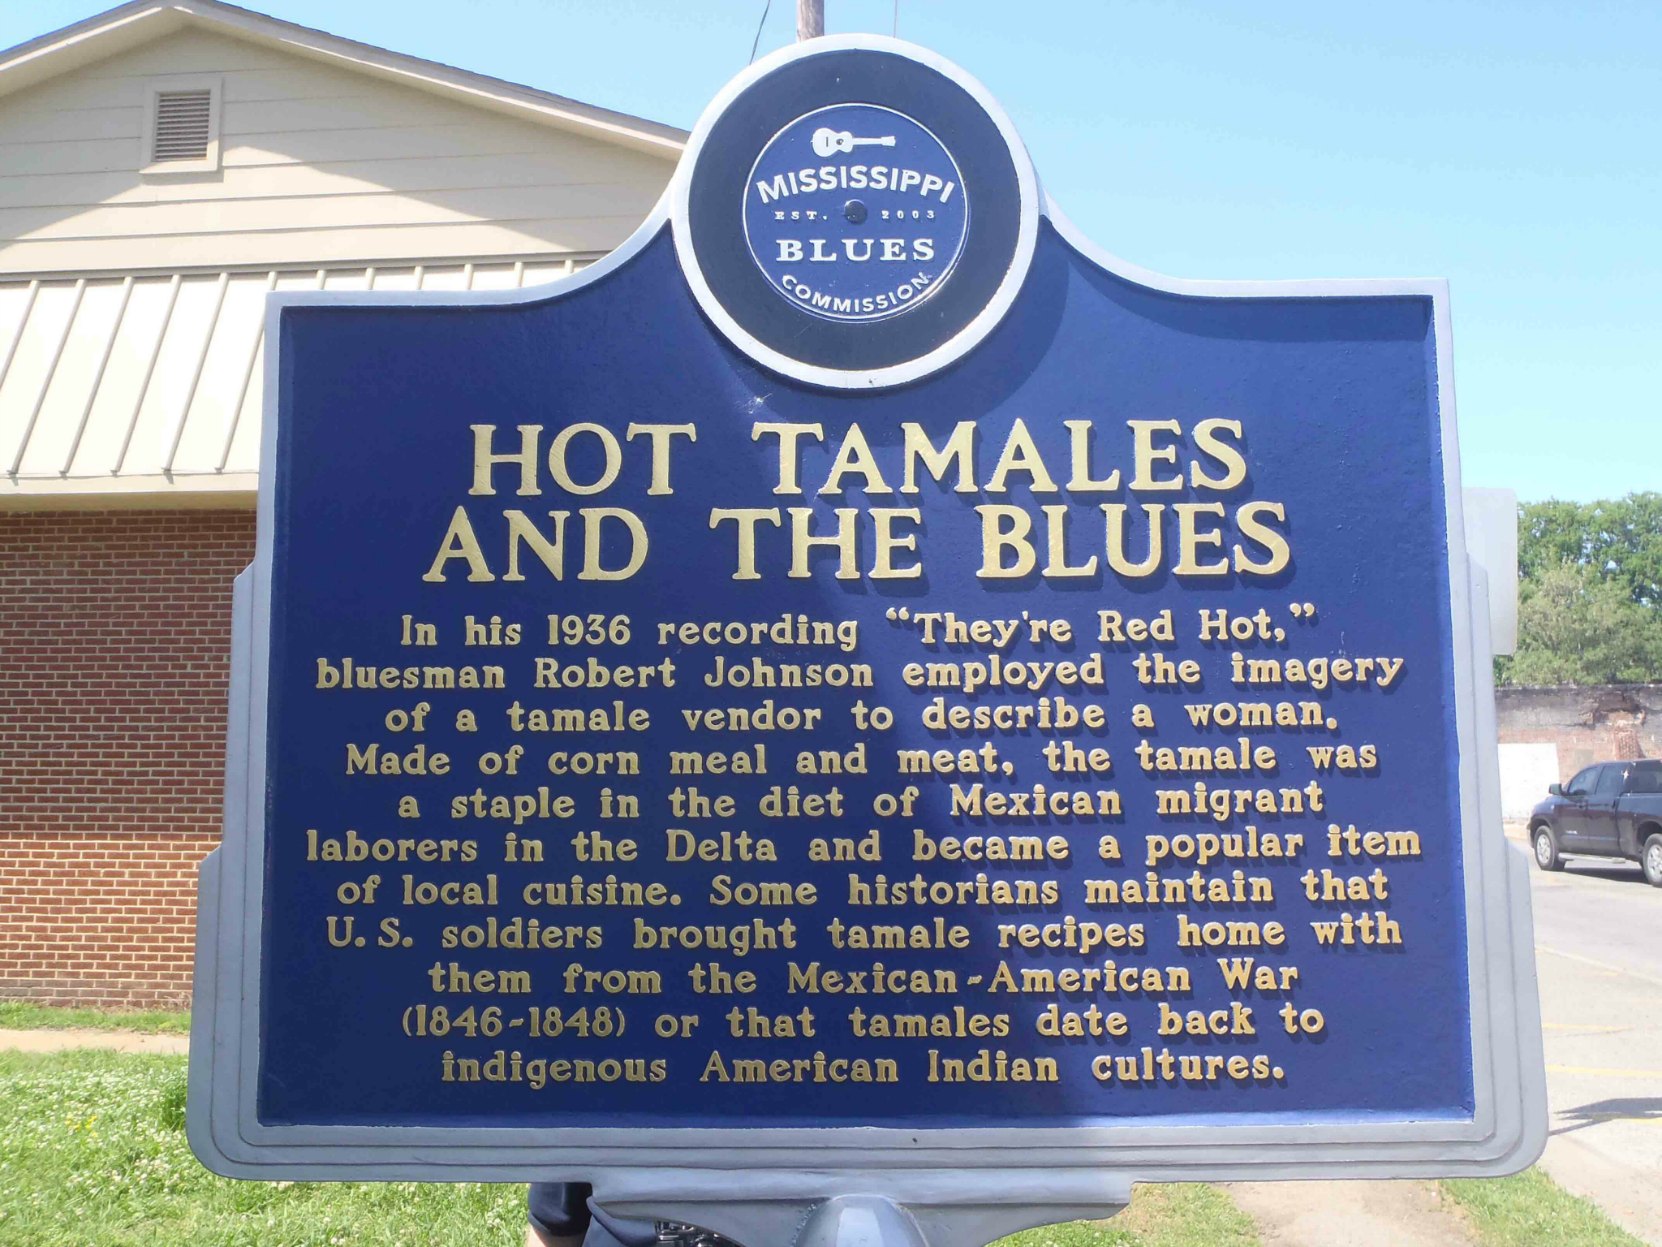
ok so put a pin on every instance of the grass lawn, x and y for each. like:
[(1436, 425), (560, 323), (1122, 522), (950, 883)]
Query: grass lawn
[(21, 1015), (94, 1155), (1531, 1209), (1184, 1215)]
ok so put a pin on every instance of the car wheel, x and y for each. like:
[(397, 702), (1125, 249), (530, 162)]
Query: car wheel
[(1546, 850), (1652, 861)]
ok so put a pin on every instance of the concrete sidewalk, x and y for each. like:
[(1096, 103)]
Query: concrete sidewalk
[(114, 1041), (1351, 1214)]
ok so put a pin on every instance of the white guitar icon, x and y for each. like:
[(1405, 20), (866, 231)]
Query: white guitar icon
[(828, 142)]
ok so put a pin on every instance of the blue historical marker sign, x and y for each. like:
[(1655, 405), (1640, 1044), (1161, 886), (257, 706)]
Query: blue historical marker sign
[(859, 681)]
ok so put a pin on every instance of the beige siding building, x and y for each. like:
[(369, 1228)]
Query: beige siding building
[(163, 166)]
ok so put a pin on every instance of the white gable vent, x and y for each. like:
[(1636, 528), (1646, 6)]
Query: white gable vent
[(182, 126)]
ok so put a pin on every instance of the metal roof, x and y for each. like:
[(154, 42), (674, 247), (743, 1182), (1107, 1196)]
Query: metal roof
[(149, 382)]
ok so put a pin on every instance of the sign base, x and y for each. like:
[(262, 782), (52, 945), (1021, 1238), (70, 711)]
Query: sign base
[(948, 1209)]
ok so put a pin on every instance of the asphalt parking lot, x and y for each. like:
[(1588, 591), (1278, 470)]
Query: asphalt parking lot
[(1598, 944)]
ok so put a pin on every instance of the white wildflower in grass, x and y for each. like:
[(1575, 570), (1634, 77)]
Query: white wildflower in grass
[(94, 1155)]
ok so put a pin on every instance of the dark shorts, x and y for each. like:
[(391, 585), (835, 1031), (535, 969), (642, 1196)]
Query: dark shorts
[(560, 1209)]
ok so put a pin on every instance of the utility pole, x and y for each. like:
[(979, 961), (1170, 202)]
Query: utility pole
[(810, 19)]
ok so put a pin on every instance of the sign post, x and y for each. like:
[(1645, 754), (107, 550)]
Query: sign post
[(861, 701)]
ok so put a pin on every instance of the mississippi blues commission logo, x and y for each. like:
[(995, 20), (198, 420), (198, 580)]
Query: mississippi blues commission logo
[(855, 212), (837, 188)]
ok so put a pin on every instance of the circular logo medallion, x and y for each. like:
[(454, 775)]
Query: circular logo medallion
[(855, 212)]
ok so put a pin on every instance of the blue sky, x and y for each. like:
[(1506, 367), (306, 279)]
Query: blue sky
[(1510, 146)]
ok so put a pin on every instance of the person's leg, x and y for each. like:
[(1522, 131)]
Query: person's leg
[(558, 1213)]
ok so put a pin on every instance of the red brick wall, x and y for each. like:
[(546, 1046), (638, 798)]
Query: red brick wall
[(1598, 724), (114, 650)]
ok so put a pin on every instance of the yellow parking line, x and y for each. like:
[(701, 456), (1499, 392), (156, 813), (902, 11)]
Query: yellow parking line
[(1638, 1121), (1583, 1028), (1598, 965)]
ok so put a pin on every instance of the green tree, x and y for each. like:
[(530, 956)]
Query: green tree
[(1620, 540), (1576, 626), (1589, 593)]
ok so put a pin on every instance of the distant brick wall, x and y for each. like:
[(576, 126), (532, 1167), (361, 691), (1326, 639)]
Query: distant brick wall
[(114, 653), (1586, 724)]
